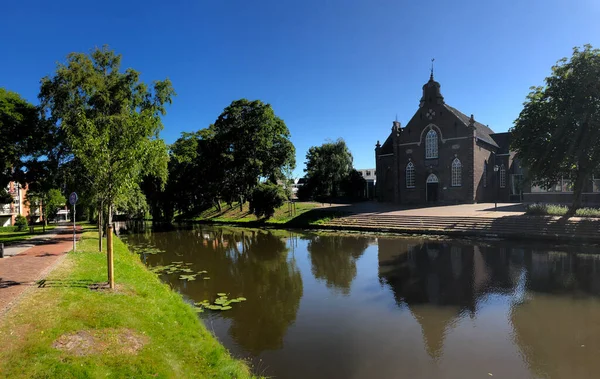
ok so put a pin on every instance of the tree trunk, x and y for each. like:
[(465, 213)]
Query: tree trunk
[(219, 208), (100, 227), (44, 216), (577, 191), (241, 203)]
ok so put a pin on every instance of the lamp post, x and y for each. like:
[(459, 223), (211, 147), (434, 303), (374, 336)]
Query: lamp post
[(496, 168)]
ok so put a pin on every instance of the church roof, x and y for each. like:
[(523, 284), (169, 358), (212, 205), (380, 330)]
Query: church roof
[(483, 131)]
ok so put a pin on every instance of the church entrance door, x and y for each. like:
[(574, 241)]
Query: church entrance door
[(432, 188)]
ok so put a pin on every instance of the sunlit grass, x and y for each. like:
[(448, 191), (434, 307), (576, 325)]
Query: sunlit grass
[(177, 343)]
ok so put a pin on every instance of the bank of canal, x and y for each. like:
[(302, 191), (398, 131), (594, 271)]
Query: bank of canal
[(68, 327), (363, 306)]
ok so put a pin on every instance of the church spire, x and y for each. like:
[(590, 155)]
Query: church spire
[(431, 91)]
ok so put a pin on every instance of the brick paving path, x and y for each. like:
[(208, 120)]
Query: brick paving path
[(20, 272)]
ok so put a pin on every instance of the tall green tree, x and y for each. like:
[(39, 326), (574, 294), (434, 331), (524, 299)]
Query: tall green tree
[(112, 122), (557, 133), (19, 134), (327, 169), (50, 202), (252, 143)]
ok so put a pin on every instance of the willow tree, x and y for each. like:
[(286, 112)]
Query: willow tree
[(112, 122), (558, 131)]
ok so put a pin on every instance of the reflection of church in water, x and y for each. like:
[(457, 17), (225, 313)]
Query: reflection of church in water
[(440, 283)]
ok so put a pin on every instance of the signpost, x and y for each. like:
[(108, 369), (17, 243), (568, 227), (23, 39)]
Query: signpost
[(73, 200)]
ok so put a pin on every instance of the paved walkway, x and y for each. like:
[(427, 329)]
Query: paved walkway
[(506, 221), (461, 210), (27, 262)]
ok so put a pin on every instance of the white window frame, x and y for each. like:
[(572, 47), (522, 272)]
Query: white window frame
[(456, 173), (502, 176), (431, 144), (410, 175)]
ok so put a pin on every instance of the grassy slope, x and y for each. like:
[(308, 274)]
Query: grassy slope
[(306, 213), (10, 234), (178, 343)]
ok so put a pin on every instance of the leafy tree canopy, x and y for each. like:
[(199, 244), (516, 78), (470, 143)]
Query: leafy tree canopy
[(252, 143), (557, 133), (18, 134), (111, 121), (329, 172)]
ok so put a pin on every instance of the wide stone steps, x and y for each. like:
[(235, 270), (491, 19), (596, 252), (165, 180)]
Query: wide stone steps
[(510, 226)]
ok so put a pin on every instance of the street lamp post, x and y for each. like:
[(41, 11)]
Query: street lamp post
[(496, 168)]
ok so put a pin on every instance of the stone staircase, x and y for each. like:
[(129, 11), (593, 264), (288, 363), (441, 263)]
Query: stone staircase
[(522, 227)]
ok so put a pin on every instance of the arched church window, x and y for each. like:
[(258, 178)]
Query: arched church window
[(431, 145), (410, 175), (502, 176), (456, 173)]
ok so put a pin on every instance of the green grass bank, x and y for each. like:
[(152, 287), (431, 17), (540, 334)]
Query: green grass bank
[(142, 329), (305, 214)]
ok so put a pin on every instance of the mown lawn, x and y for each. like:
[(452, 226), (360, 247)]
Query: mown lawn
[(143, 329), (10, 234), (234, 214)]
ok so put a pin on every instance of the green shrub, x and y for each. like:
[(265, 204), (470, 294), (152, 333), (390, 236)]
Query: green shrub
[(21, 223), (560, 210), (265, 198), (588, 212)]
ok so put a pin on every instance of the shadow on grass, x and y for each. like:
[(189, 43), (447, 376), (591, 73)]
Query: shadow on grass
[(65, 283)]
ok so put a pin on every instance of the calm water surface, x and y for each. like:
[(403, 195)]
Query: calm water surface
[(332, 306)]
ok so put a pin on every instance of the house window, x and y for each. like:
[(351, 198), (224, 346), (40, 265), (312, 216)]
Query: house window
[(595, 184), (431, 145), (410, 175), (368, 173), (456, 173), (502, 176), (485, 174)]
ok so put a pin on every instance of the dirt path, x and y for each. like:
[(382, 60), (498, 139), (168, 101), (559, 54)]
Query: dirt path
[(19, 272)]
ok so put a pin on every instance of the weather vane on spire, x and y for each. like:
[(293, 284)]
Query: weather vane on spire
[(432, 60)]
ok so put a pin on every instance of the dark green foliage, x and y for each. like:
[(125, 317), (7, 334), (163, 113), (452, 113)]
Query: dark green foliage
[(557, 134), (19, 135), (354, 185), (266, 197), (329, 174), (21, 223), (251, 143), (224, 162)]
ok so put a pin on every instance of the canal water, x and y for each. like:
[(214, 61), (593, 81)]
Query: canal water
[(358, 306)]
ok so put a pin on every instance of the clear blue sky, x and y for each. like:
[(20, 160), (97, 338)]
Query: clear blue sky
[(330, 69)]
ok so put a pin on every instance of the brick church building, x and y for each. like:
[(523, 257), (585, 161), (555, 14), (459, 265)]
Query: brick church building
[(445, 156)]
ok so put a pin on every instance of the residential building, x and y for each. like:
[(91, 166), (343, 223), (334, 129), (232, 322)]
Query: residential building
[(369, 174), (18, 206)]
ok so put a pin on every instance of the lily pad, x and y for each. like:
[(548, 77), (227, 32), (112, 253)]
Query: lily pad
[(200, 310), (187, 277), (225, 308), (206, 278), (203, 272), (241, 299), (186, 270), (221, 294)]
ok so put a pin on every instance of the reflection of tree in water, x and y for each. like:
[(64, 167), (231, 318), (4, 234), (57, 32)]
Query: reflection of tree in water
[(273, 286), (242, 262), (557, 326), (334, 259)]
